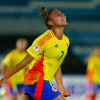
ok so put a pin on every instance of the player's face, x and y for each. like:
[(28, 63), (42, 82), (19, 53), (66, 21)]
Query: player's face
[(57, 18), (21, 45)]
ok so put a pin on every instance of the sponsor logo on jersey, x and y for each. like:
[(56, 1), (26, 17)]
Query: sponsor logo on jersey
[(67, 44), (35, 48), (56, 45), (54, 88)]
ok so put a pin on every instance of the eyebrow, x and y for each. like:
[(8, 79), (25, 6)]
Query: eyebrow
[(58, 12)]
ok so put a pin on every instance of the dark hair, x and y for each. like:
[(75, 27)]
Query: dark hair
[(45, 16)]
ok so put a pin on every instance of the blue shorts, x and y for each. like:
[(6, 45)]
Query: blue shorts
[(42, 91), (95, 87), (19, 87), (92, 86)]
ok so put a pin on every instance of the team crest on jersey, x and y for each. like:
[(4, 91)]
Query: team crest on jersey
[(35, 48), (54, 88), (67, 44)]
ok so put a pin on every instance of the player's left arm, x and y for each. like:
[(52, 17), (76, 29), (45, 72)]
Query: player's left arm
[(58, 78)]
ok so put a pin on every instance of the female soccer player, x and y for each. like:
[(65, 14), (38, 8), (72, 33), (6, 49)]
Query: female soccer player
[(15, 83), (44, 58), (93, 74)]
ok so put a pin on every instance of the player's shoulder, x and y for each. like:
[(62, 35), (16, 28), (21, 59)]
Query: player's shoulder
[(12, 51), (46, 36), (65, 37), (10, 54)]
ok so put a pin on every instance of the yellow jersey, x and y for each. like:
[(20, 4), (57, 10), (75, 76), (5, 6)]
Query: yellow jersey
[(10, 61), (48, 53), (93, 69)]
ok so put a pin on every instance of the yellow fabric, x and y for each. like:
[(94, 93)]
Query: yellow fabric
[(94, 67), (54, 52), (12, 59)]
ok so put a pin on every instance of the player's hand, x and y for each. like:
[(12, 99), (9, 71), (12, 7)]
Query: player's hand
[(2, 81), (65, 92)]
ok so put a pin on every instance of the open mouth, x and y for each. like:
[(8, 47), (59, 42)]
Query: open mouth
[(63, 19)]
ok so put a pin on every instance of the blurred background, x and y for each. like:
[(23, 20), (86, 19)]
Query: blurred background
[(21, 18)]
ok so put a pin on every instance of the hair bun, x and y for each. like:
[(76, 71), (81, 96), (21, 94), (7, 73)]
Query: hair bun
[(43, 12)]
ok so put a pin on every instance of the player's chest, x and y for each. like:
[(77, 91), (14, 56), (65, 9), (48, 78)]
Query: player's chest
[(18, 57), (56, 49)]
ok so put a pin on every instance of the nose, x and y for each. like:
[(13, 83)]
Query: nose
[(63, 14)]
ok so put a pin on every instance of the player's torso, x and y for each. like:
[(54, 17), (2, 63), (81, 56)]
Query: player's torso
[(96, 71), (50, 59), (16, 58), (54, 55)]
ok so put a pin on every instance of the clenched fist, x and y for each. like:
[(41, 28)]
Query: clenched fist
[(65, 92)]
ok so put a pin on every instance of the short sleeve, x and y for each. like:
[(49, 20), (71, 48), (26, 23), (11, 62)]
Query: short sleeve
[(35, 49)]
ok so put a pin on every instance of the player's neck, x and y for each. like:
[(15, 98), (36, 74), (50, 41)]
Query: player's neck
[(21, 51), (58, 32)]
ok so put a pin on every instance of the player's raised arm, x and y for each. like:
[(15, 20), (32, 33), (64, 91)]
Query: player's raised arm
[(17, 68)]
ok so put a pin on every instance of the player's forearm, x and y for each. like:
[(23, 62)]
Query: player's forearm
[(58, 78), (14, 70), (19, 66)]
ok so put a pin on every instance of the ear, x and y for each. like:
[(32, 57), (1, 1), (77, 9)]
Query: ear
[(50, 23)]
